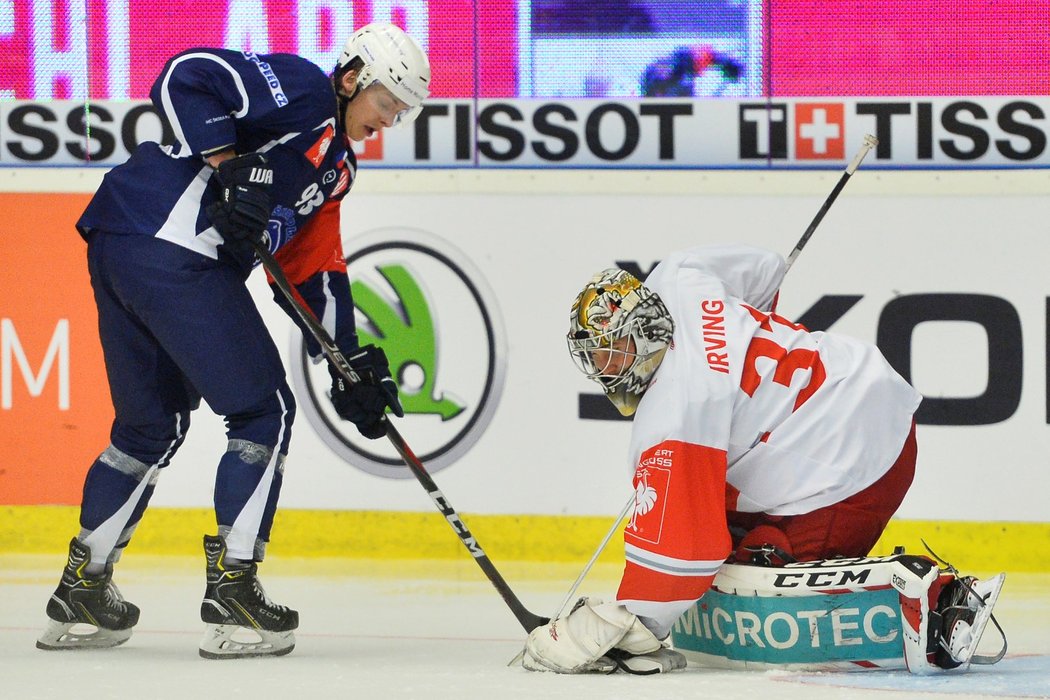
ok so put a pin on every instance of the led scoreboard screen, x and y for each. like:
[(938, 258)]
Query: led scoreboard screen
[(113, 49), (575, 83)]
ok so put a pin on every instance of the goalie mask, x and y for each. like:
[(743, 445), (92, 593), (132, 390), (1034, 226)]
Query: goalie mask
[(618, 333), (390, 57)]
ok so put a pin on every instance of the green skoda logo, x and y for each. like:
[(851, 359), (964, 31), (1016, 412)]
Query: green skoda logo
[(432, 312), (409, 339)]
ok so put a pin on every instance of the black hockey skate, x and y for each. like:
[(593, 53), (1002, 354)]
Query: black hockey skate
[(241, 619), (964, 609), (87, 612)]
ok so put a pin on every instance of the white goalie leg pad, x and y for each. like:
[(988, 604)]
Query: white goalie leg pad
[(578, 642), (839, 614), (79, 635), (918, 599), (235, 642)]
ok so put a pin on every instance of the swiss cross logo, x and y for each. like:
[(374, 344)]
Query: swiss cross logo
[(820, 131), (371, 148), (650, 503)]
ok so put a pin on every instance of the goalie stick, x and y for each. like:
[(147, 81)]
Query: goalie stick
[(526, 619), (586, 569), (869, 143)]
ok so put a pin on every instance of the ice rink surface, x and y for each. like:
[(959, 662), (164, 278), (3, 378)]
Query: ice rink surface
[(425, 629)]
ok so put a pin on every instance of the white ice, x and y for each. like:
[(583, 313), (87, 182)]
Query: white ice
[(423, 629)]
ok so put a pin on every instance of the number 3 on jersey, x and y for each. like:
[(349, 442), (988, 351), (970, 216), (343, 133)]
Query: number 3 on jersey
[(310, 199), (787, 361)]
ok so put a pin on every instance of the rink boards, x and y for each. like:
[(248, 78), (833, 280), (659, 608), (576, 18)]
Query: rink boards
[(944, 270)]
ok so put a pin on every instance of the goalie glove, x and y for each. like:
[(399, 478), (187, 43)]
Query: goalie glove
[(597, 637)]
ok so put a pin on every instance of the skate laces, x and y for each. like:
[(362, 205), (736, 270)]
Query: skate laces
[(260, 592), (112, 598), (959, 599)]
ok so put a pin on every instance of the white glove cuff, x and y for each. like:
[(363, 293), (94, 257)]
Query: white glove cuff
[(637, 638)]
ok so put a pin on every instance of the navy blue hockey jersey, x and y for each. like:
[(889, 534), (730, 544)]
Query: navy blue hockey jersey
[(278, 104)]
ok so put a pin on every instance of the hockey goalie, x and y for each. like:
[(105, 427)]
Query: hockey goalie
[(767, 462)]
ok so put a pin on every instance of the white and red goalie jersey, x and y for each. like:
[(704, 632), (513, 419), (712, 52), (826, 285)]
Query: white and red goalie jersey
[(747, 412)]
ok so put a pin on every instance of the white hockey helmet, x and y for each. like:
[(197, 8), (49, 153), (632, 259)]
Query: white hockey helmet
[(394, 59), (619, 331)]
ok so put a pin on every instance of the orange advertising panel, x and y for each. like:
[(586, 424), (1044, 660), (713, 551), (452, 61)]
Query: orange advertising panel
[(55, 411)]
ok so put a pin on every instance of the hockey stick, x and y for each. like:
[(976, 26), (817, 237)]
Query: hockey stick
[(594, 557), (586, 569), (869, 143), (527, 619)]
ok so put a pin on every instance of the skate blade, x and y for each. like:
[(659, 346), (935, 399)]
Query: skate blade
[(61, 636), (235, 642), (968, 654)]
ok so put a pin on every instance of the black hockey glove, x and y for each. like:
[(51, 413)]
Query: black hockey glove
[(243, 210), (364, 403)]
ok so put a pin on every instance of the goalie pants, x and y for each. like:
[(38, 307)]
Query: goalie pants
[(177, 326), (849, 528)]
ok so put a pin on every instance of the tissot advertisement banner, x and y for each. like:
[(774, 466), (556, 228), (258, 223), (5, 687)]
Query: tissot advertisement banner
[(672, 133)]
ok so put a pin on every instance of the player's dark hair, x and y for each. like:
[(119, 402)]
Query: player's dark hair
[(356, 63)]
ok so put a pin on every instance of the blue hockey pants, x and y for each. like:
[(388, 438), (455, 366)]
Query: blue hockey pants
[(177, 326)]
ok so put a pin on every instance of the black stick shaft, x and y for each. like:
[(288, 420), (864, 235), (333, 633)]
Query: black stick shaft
[(528, 620), (869, 143)]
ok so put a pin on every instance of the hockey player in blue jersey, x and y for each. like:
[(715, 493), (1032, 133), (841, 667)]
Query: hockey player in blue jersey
[(261, 152)]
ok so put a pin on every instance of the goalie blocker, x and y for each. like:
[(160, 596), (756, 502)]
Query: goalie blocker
[(891, 612)]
